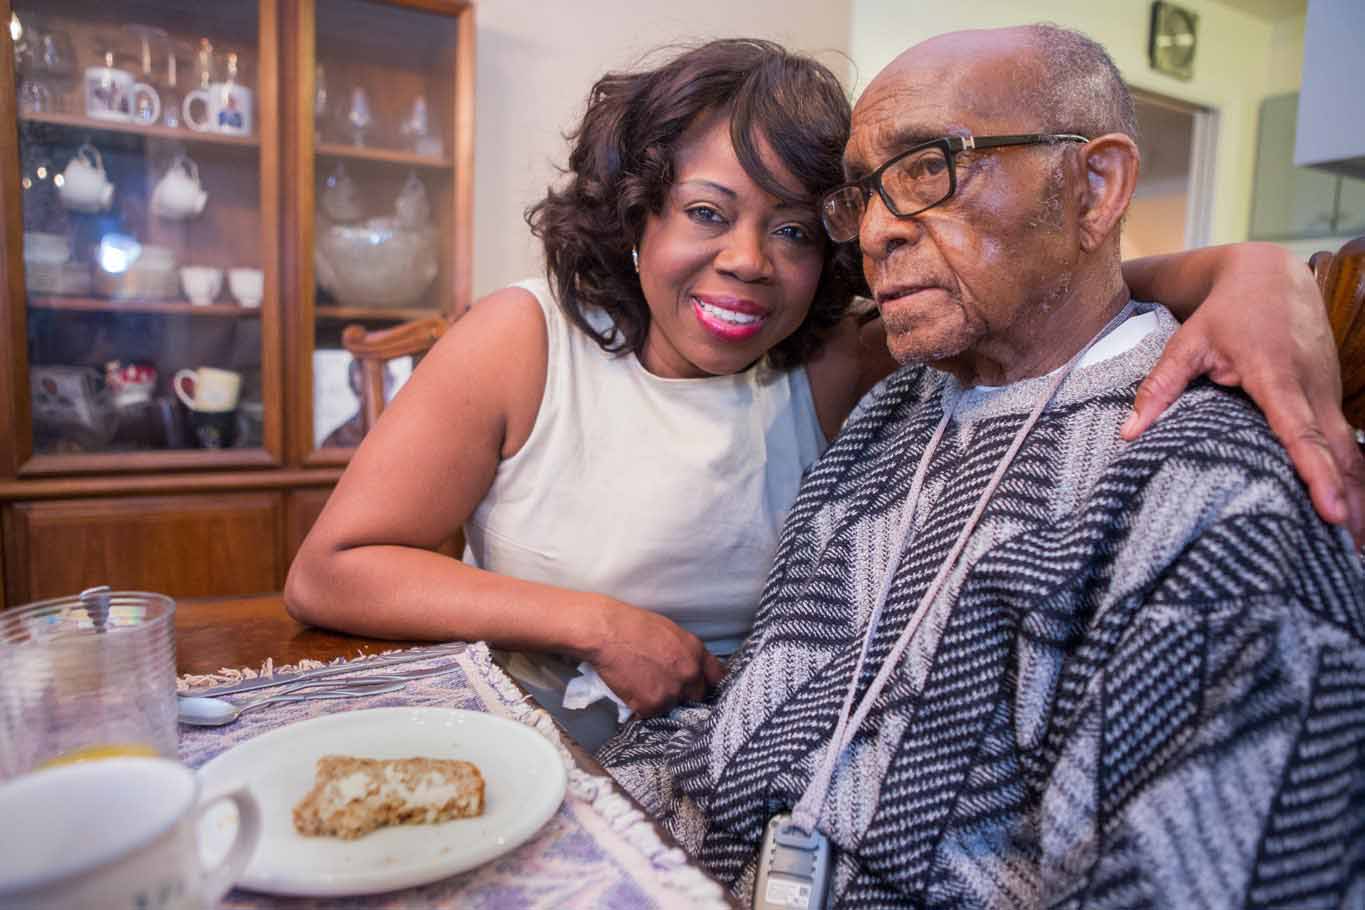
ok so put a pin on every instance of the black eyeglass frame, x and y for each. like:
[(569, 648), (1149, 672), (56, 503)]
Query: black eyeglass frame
[(950, 145)]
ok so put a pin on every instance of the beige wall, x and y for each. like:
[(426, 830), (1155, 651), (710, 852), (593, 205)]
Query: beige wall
[(1284, 72), (538, 58), (1230, 71)]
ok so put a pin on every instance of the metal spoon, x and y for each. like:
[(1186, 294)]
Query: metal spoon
[(215, 712)]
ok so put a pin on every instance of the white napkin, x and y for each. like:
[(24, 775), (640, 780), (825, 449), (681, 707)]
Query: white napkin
[(587, 687)]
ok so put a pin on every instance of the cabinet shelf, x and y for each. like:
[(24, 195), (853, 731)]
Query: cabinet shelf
[(383, 156), (361, 314), (141, 491), (80, 122), (165, 307)]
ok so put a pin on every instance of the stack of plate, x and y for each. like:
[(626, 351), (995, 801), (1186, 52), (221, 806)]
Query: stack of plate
[(150, 276), (137, 283), (71, 279)]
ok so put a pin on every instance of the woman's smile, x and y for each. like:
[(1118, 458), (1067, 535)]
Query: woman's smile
[(729, 318)]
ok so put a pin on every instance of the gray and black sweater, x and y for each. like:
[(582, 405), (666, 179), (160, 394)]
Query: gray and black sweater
[(1142, 686)]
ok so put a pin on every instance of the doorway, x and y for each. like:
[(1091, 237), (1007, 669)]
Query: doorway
[(1172, 204)]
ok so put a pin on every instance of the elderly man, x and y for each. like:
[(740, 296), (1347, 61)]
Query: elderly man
[(1005, 659)]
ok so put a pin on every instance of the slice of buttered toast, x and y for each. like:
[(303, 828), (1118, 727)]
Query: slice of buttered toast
[(354, 796)]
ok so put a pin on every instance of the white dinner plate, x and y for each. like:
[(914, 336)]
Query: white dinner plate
[(524, 781)]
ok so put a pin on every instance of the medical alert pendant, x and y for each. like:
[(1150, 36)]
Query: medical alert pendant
[(793, 867)]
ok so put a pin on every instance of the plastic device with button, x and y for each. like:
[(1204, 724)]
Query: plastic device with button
[(793, 867)]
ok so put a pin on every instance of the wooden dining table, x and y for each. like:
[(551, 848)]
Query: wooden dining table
[(212, 634), (234, 633)]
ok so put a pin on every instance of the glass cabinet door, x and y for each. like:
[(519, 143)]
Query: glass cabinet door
[(388, 146), (147, 153), (1287, 201)]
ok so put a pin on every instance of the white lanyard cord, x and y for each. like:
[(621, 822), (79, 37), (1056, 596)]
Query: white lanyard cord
[(807, 810)]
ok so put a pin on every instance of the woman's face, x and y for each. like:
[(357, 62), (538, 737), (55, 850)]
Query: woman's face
[(728, 270)]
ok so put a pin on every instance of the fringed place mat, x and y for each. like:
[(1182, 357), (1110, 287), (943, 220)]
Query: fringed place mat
[(229, 675), (597, 850)]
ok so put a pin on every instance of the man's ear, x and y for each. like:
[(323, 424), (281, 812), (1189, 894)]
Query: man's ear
[(1110, 165)]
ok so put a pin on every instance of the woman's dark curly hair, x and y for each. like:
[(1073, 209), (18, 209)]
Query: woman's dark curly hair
[(621, 167)]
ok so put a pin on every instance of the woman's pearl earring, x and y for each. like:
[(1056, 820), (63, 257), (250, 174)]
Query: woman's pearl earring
[(635, 258)]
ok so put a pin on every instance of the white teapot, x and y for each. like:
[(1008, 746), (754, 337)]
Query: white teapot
[(178, 195), (85, 188)]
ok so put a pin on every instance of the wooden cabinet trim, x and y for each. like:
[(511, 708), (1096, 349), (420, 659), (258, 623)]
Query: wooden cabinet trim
[(151, 460), (71, 487), (14, 404)]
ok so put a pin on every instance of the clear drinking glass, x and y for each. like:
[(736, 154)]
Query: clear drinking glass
[(87, 676)]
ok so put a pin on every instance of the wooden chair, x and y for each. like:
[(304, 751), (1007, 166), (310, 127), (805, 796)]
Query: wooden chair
[(1341, 277), (373, 350)]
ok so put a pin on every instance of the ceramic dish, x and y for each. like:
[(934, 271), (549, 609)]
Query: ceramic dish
[(524, 783)]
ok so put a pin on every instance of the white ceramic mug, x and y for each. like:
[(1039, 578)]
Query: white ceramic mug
[(247, 286), (202, 283), (226, 109), (113, 94), (116, 833), (210, 390)]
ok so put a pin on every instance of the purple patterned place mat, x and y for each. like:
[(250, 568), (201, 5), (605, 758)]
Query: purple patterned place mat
[(596, 851)]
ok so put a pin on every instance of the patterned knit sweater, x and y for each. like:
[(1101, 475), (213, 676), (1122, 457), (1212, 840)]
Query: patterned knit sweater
[(1143, 686)]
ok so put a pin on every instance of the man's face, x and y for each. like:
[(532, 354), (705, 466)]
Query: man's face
[(964, 286)]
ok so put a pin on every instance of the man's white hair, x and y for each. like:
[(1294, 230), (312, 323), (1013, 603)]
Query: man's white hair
[(1081, 90)]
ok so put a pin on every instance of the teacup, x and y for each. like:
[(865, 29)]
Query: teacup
[(202, 283), (117, 832), (85, 187), (247, 286), (178, 194), (208, 389)]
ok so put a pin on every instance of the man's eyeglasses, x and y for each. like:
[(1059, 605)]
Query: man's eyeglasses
[(918, 178)]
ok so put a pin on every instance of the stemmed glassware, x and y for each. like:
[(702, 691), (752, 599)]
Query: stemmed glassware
[(47, 64), (152, 43), (319, 102), (171, 96), (358, 115), (417, 127)]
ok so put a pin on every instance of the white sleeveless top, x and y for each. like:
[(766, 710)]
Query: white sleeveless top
[(668, 494)]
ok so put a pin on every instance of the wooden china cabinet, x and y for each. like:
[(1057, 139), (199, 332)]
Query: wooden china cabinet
[(197, 198)]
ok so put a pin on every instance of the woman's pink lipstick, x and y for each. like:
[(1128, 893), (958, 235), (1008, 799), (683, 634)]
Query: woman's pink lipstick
[(729, 318)]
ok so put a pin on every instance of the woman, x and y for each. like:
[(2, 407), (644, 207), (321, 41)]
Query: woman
[(622, 443)]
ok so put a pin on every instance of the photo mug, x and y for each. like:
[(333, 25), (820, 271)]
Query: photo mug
[(117, 833), (113, 94), (208, 389), (223, 107)]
